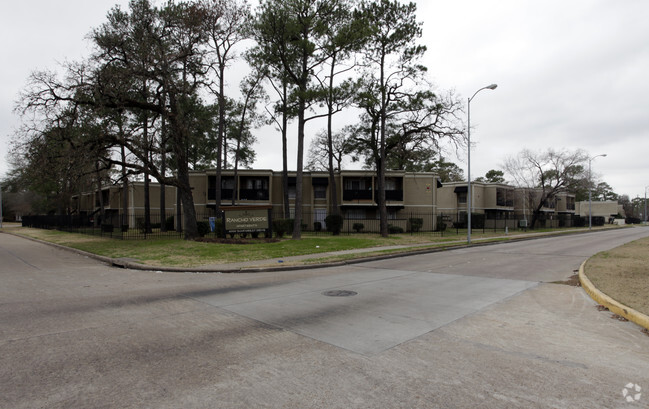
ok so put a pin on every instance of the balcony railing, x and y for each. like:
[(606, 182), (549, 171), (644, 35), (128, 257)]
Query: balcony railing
[(503, 202), (226, 194), (350, 195), (253, 194), (390, 195), (394, 195)]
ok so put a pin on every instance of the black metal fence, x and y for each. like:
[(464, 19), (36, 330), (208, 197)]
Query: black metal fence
[(137, 226)]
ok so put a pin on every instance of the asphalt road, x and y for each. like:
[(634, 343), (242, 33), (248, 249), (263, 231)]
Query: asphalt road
[(475, 327)]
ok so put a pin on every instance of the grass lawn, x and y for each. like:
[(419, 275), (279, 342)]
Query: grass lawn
[(623, 274), (181, 253)]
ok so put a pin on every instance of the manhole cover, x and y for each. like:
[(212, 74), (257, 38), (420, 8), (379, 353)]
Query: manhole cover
[(339, 293)]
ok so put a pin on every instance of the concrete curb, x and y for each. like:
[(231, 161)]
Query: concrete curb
[(130, 264), (614, 306)]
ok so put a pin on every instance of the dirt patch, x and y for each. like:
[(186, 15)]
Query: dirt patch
[(623, 274), (572, 281), (237, 240)]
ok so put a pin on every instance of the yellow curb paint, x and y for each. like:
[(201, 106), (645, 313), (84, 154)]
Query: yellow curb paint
[(614, 306)]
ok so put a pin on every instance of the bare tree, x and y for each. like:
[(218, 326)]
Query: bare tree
[(547, 173), (327, 154)]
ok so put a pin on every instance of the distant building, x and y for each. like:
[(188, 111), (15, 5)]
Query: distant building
[(504, 205), (607, 209)]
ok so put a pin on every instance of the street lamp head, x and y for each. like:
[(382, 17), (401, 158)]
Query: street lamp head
[(492, 86)]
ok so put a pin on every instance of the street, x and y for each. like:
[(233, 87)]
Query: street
[(475, 327)]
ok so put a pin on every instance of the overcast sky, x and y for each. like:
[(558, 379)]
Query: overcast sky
[(570, 74)]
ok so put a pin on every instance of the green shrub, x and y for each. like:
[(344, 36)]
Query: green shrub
[(358, 227), (203, 228), (282, 226), (598, 220), (218, 228), (477, 220), (334, 223), (169, 223), (415, 224), (394, 229), (441, 225)]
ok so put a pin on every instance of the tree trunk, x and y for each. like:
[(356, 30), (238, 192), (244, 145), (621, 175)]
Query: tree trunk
[(303, 88), (180, 147), (383, 211), (236, 171), (187, 201), (287, 206), (147, 198), (163, 172), (332, 177), (179, 214), (99, 220), (220, 139), (297, 225), (147, 153), (124, 221)]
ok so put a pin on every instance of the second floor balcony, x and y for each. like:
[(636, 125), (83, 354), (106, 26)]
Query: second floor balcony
[(244, 194), (350, 195)]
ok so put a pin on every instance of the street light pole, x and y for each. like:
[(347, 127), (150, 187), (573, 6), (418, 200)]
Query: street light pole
[(590, 201), (645, 204), (468, 172)]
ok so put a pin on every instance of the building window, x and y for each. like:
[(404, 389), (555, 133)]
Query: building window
[(253, 188), (319, 192), (358, 184), (461, 197), (256, 183), (570, 203), (504, 197), (549, 203)]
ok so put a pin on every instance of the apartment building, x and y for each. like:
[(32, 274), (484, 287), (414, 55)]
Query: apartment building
[(500, 205), (495, 201), (407, 193), (89, 203)]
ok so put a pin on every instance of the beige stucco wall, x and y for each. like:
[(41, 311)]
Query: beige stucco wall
[(605, 208), (484, 197)]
